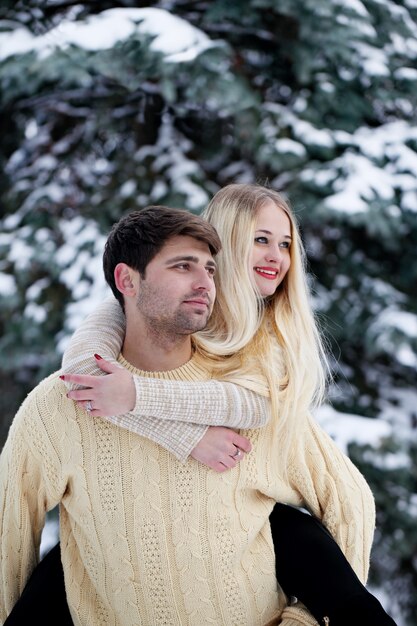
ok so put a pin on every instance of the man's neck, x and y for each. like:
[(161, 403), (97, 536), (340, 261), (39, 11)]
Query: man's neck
[(155, 353)]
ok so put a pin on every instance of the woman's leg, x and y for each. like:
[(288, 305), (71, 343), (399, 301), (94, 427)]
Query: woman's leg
[(311, 566), (43, 600)]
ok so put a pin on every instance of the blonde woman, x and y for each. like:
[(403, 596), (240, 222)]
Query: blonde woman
[(264, 347)]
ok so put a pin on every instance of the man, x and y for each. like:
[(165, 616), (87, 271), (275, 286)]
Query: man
[(127, 508)]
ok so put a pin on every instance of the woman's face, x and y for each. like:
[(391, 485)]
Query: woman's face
[(270, 259)]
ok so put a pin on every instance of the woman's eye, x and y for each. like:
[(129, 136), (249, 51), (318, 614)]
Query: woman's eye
[(284, 244), (261, 239)]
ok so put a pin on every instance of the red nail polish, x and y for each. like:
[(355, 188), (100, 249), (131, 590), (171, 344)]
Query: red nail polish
[(98, 357), (62, 377)]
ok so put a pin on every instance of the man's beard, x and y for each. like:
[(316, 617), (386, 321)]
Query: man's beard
[(163, 320)]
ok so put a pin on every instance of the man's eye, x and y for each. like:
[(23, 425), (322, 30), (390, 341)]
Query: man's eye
[(211, 271)]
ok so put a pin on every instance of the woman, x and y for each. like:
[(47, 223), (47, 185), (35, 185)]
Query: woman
[(262, 330)]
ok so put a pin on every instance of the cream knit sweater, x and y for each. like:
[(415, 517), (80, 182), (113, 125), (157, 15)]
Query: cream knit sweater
[(147, 540)]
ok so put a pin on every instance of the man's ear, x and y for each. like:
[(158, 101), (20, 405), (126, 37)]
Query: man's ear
[(126, 279)]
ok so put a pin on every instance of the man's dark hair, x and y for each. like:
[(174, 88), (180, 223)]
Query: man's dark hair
[(137, 237)]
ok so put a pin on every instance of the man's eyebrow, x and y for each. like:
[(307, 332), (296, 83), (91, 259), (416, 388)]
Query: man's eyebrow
[(268, 232), (191, 259)]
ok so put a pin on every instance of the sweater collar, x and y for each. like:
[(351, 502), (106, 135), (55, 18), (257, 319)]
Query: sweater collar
[(194, 369)]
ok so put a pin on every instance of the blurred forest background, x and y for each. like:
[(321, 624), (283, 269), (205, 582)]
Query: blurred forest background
[(106, 107)]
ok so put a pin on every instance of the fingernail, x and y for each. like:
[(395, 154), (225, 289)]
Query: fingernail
[(62, 377), (98, 357)]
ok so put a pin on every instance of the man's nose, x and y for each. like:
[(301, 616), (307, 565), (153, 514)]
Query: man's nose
[(203, 281)]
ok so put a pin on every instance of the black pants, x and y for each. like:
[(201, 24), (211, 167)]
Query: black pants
[(43, 600), (309, 566)]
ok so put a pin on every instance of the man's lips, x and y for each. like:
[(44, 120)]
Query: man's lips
[(270, 273), (198, 302)]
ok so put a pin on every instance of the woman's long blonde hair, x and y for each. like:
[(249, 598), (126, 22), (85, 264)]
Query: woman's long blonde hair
[(241, 331)]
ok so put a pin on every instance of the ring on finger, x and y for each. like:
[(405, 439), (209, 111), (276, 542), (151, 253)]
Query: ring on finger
[(89, 406), (237, 454)]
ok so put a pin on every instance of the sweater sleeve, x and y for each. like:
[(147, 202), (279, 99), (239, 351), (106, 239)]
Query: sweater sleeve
[(30, 484), (213, 403), (173, 414), (335, 491)]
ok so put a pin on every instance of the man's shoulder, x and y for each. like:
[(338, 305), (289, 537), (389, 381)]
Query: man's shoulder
[(49, 386), (37, 413), (50, 381)]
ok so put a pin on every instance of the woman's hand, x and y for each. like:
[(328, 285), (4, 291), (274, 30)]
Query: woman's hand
[(221, 448), (113, 394)]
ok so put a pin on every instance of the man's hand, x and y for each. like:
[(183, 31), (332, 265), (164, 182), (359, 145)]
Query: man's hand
[(113, 394), (221, 448)]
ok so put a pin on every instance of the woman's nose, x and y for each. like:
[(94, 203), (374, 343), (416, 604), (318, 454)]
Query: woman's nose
[(274, 253)]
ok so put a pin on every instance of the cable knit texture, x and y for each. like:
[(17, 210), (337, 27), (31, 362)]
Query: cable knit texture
[(190, 408), (149, 541)]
